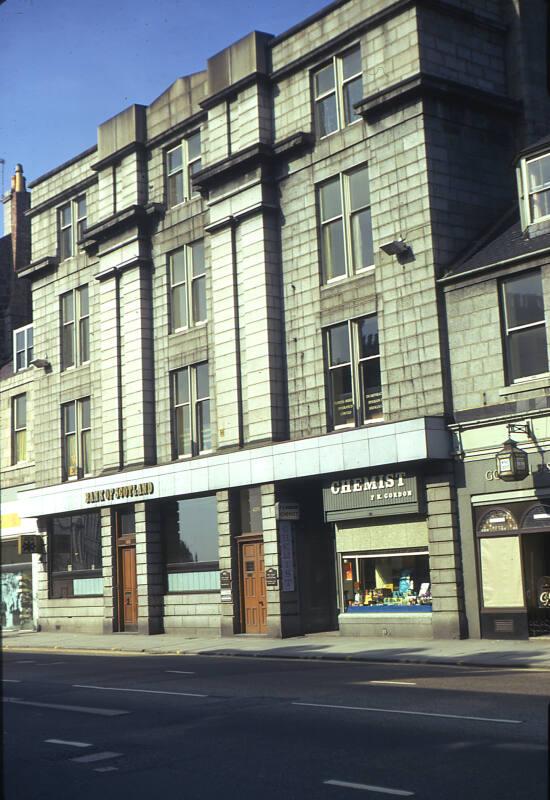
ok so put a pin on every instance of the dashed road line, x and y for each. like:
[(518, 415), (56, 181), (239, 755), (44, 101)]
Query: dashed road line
[(69, 744), (102, 712), (368, 788), (179, 672), (394, 683), (105, 769), (410, 713), (144, 691), (95, 757), (10, 680), (25, 662)]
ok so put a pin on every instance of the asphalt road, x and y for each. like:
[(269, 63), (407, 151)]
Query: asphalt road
[(102, 727)]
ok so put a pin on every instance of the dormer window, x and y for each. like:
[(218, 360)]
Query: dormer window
[(538, 187), (22, 347)]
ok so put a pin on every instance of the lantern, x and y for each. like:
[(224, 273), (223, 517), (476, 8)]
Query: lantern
[(512, 462)]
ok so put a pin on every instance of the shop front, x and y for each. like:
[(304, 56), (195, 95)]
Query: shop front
[(382, 552)]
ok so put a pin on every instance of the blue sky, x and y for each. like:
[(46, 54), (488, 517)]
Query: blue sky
[(68, 65)]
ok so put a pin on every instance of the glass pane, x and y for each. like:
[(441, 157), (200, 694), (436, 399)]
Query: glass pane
[(30, 336), (338, 338), (84, 340), (353, 93), (333, 251), (197, 258), (70, 454), (194, 146), (20, 340), (351, 63), (174, 159), (181, 386), (327, 115), (199, 299), (193, 169), (183, 431), (527, 353), (85, 541), (540, 204), (65, 215), (359, 188), (191, 530), (20, 360), (363, 247), (175, 189), (201, 372), (538, 173), (80, 229), (86, 451), (126, 521), (341, 396), (324, 80), (69, 418), (250, 503), (83, 295), (66, 243), (20, 445), (330, 200), (203, 425), (368, 337), (524, 302), (81, 207), (179, 307), (21, 411), (372, 388), (85, 412), (68, 346), (67, 305), (177, 266)]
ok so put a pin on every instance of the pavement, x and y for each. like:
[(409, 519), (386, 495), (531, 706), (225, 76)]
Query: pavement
[(531, 654)]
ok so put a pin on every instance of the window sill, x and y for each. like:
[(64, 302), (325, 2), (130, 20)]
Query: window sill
[(526, 386), (336, 283), (178, 331), (19, 465)]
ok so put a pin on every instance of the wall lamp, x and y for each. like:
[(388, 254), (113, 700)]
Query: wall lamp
[(397, 247), (41, 363), (512, 462)]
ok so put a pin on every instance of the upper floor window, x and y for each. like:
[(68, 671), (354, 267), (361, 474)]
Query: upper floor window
[(19, 428), (75, 327), (191, 410), (524, 326), (71, 226), (336, 87), (346, 227), (22, 347), (538, 187), (182, 162), (353, 372), (77, 438), (187, 286)]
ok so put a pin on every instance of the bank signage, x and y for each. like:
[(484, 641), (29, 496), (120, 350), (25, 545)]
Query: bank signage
[(378, 495), (120, 492)]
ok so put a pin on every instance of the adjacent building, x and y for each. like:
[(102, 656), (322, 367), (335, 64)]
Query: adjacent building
[(241, 383)]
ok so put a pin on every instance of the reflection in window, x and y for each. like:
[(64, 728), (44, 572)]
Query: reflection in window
[(75, 555), (524, 326), (190, 535)]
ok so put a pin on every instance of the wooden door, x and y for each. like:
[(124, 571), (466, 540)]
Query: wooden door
[(128, 601), (253, 584)]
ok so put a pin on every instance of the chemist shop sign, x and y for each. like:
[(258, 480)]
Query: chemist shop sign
[(372, 495)]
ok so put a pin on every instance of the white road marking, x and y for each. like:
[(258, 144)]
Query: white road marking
[(69, 744), (411, 713), (368, 788), (105, 769), (25, 662), (95, 757), (102, 712), (179, 672), (10, 680), (394, 683), (50, 663), (144, 691)]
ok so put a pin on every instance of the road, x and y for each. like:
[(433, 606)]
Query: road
[(102, 727)]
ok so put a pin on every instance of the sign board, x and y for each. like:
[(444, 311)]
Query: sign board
[(290, 511), (119, 492), (271, 577), (286, 546), (226, 596), (371, 496), (225, 579)]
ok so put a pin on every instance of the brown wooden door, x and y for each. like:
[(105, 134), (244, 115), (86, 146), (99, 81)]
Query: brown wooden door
[(253, 583), (128, 600)]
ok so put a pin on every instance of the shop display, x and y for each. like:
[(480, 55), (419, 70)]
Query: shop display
[(386, 583)]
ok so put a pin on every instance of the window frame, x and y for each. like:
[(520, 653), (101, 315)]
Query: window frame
[(82, 434), (193, 406), (187, 285), (354, 364), (76, 226), (347, 215), (80, 322), (525, 192), (27, 349), (338, 90), (509, 331), (18, 429), (187, 168)]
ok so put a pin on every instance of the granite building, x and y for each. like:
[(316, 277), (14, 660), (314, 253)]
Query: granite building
[(241, 393)]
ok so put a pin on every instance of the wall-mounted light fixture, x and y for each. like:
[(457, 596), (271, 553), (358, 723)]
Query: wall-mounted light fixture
[(397, 247), (512, 461), (41, 363)]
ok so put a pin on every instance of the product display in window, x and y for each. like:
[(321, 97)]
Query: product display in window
[(386, 582)]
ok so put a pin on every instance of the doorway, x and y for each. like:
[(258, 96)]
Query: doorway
[(253, 592), (127, 598)]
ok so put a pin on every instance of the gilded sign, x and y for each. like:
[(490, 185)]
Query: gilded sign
[(371, 495), (119, 493)]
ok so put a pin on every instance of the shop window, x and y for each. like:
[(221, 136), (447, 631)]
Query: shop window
[(22, 347), (524, 327), (345, 225), (77, 438), (384, 582), (19, 428), (353, 372), (190, 534), (75, 328), (182, 162), (191, 411), (336, 87), (75, 555), (71, 222), (187, 286), (15, 586)]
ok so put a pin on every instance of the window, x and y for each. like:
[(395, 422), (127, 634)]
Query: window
[(22, 347), (190, 531), (191, 410), (538, 187), (187, 286), (71, 226), (384, 582), (77, 438), (524, 327), (336, 87), (19, 428), (353, 372), (182, 162), (75, 555), (346, 229), (75, 328)]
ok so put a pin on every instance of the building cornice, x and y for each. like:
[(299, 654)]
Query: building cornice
[(135, 216), (39, 267), (62, 197), (62, 166), (229, 92), (180, 129), (115, 158)]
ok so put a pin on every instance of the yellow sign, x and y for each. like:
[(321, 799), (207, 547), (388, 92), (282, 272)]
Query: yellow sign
[(10, 521), (119, 493)]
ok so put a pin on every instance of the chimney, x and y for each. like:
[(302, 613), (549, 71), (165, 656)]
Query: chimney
[(20, 224)]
